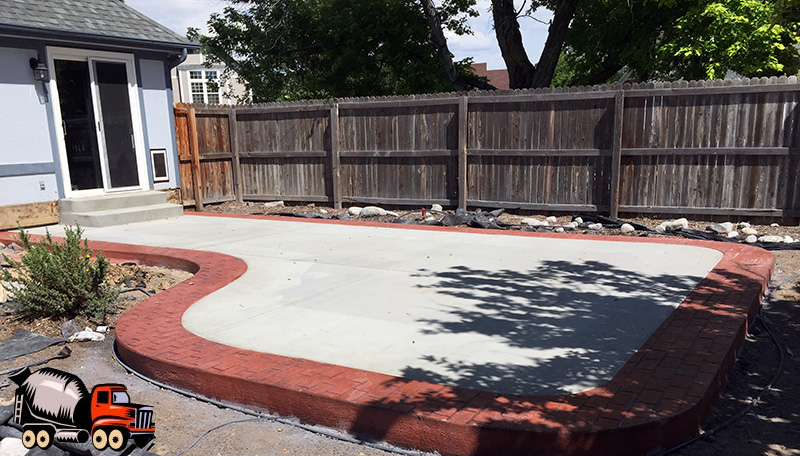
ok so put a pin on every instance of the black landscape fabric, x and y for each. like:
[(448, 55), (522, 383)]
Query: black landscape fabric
[(24, 342)]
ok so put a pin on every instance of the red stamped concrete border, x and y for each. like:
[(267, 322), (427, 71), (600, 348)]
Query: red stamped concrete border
[(660, 397)]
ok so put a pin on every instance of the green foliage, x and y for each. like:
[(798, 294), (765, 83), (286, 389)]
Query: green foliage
[(300, 49), (60, 280), (673, 39)]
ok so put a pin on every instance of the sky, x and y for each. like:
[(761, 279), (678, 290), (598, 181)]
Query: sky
[(178, 15)]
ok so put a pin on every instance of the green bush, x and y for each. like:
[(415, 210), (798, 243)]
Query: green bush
[(60, 280)]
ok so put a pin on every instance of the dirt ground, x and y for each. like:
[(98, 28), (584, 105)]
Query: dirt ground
[(771, 428)]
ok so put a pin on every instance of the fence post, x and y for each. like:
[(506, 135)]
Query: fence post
[(335, 162), (233, 132), (616, 153), (462, 151), (194, 146)]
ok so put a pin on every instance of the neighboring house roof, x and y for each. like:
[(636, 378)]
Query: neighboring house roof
[(104, 21)]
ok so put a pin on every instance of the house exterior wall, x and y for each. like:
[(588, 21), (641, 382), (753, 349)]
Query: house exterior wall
[(30, 165), (27, 166), (156, 98)]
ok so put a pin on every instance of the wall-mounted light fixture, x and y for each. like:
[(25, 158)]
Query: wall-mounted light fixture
[(40, 72)]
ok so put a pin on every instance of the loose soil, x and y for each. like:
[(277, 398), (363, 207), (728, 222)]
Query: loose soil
[(771, 428)]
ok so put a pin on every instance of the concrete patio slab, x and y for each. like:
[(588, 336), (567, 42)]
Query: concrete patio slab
[(506, 320), (503, 314)]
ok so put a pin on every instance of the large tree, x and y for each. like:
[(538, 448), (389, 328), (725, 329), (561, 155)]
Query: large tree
[(295, 49), (669, 39)]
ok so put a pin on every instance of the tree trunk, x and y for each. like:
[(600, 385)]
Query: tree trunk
[(440, 42), (546, 67), (509, 38), (521, 72)]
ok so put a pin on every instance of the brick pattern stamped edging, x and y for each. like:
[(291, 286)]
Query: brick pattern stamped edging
[(661, 396)]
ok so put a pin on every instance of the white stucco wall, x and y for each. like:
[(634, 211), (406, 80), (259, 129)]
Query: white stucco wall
[(158, 110), (24, 133), (27, 189)]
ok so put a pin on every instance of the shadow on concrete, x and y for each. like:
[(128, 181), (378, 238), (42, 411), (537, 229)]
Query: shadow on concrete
[(515, 307), (579, 323)]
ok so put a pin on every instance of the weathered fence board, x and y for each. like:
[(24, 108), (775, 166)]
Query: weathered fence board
[(711, 147)]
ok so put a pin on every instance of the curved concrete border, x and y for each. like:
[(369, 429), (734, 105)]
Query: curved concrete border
[(659, 398)]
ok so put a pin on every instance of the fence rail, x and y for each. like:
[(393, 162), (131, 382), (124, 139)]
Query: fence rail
[(708, 147)]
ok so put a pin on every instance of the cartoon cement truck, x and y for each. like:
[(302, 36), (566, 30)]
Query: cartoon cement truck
[(55, 405)]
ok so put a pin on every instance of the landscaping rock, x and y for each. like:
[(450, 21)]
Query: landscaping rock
[(578, 220), (323, 211), (595, 226), (744, 224), (680, 223), (748, 231), (770, 239), (372, 211), (751, 239), (12, 447), (436, 207), (721, 228), (355, 211), (3, 293), (273, 204), (69, 329), (572, 225), (551, 220), (774, 225), (662, 228), (559, 230), (733, 234), (392, 214), (788, 239), (627, 228), (534, 222)]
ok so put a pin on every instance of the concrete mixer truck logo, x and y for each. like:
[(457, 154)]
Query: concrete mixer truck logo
[(55, 405)]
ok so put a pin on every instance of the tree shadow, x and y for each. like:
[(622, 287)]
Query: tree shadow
[(561, 328)]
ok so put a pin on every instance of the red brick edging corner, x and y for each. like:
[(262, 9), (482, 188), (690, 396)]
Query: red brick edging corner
[(659, 398)]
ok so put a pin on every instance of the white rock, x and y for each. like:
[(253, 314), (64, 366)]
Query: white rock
[(788, 239), (774, 224), (323, 211), (3, 293), (559, 230), (733, 234), (744, 225), (721, 228), (273, 204), (551, 220), (751, 239), (681, 223), (430, 218), (12, 447), (572, 225), (530, 221), (578, 220), (392, 214), (86, 335), (662, 228), (372, 211), (770, 239), (355, 211), (596, 226), (627, 228), (436, 207), (748, 231)]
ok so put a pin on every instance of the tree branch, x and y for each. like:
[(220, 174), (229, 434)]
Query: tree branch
[(440, 42)]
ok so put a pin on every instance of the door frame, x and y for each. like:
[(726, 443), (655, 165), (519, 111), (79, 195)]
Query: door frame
[(88, 56)]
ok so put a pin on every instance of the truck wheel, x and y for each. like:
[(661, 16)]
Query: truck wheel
[(44, 439), (116, 439), (28, 438), (100, 439)]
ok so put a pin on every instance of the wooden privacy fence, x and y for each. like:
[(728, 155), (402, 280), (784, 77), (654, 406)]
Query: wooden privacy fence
[(710, 147)]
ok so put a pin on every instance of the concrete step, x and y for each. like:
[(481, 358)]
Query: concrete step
[(120, 216), (112, 201)]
